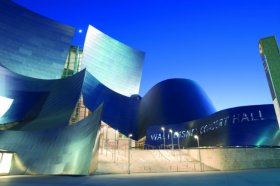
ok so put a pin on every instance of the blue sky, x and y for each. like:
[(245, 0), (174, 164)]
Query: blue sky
[(212, 42)]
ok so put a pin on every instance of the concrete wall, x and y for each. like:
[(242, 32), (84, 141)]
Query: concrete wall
[(237, 158)]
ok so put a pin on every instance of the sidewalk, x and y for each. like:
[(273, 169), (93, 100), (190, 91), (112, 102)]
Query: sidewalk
[(261, 177)]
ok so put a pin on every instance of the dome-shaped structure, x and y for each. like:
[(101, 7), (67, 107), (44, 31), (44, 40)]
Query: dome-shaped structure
[(173, 101)]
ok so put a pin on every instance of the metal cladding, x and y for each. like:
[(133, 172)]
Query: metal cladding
[(35, 113), (119, 111), (32, 45), (170, 101), (173, 101), (63, 150), (112, 63), (271, 61), (41, 103), (241, 126)]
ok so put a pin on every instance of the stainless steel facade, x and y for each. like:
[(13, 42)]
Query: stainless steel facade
[(61, 150), (170, 101), (40, 103), (114, 64), (32, 45), (271, 61), (249, 126)]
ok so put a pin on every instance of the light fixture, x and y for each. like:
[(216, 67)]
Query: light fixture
[(162, 128), (80, 31), (196, 137)]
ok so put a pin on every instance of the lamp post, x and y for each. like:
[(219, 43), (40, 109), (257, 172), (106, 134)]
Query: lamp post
[(106, 140), (103, 140), (116, 144), (171, 132), (197, 138), (178, 140), (129, 144), (163, 136)]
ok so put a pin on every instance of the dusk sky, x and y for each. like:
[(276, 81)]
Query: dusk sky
[(214, 42)]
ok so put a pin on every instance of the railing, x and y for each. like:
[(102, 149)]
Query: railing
[(113, 158)]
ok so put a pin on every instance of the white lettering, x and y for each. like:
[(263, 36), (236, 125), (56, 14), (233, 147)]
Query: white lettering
[(235, 118), (244, 117)]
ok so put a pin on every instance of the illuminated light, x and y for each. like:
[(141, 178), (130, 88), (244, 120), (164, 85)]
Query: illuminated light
[(130, 135), (170, 130), (261, 141), (162, 128), (196, 137), (5, 162), (260, 49), (176, 134), (5, 104), (80, 31)]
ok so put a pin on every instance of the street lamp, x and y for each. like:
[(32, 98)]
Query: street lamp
[(163, 136), (103, 140), (106, 140), (171, 131), (177, 135), (116, 144), (129, 144), (197, 138)]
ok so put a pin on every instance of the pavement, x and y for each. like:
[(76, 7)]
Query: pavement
[(260, 177)]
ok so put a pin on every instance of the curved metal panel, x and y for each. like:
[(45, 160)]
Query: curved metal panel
[(119, 111), (114, 64), (170, 101), (32, 45), (173, 101), (241, 126), (39, 104), (63, 150)]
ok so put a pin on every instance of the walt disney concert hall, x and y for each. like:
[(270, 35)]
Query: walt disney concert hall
[(56, 100)]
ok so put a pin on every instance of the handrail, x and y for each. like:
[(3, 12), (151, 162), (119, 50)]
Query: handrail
[(163, 155)]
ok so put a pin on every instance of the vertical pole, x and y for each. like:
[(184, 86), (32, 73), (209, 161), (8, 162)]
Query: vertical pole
[(115, 153), (172, 141), (163, 139), (129, 144), (103, 140), (199, 155), (163, 136), (106, 141)]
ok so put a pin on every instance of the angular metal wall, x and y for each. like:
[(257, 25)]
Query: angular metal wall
[(271, 61), (32, 45), (119, 111), (40, 103), (114, 64), (63, 150)]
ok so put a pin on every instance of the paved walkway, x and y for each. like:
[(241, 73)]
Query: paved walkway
[(262, 177)]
